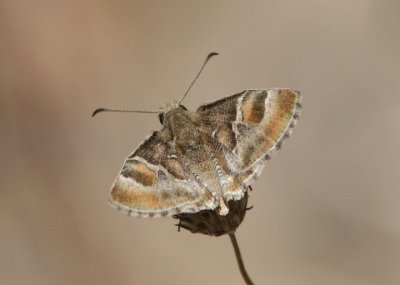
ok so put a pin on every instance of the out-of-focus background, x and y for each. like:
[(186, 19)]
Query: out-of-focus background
[(326, 209)]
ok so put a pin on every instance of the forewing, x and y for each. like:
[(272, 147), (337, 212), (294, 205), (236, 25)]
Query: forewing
[(153, 182), (249, 125)]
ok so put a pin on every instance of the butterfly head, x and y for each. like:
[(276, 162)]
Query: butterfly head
[(169, 108)]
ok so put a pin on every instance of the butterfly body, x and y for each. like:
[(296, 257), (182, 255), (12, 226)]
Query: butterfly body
[(207, 159)]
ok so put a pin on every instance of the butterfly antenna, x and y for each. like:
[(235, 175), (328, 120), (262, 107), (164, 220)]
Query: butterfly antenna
[(198, 74), (100, 110)]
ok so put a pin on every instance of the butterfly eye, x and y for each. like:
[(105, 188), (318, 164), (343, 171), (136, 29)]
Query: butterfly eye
[(161, 118), (183, 107)]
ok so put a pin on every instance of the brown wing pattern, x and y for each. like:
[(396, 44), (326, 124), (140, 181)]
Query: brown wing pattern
[(249, 125), (152, 182)]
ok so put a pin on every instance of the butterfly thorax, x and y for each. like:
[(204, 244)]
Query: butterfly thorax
[(187, 136)]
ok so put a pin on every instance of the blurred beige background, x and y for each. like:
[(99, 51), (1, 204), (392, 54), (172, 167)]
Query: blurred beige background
[(326, 209)]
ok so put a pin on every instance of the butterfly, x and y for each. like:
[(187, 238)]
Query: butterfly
[(205, 161), (201, 160)]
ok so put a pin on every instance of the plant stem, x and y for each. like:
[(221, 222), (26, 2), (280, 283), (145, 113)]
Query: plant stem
[(240, 260)]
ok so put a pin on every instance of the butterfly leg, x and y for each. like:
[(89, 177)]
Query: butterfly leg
[(209, 198), (249, 208)]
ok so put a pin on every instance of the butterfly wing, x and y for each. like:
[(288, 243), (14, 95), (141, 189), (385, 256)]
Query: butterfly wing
[(153, 182), (250, 125)]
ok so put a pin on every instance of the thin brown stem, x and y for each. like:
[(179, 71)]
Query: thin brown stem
[(240, 260)]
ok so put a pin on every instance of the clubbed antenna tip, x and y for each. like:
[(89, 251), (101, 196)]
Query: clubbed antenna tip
[(99, 110), (210, 55)]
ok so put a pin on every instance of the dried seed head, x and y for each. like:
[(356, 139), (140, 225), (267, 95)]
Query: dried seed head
[(210, 222)]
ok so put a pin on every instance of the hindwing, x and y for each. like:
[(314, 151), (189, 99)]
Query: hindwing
[(250, 125), (154, 182)]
